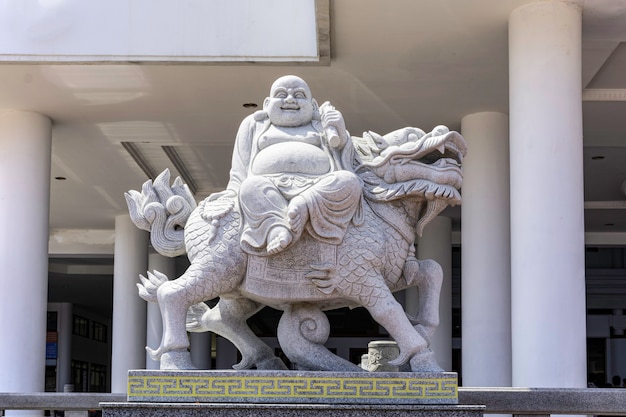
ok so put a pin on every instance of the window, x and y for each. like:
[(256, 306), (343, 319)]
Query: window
[(97, 378), (81, 326), (99, 331), (80, 371)]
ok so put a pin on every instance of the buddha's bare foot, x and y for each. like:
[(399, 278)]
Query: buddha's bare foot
[(298, 214), (278, 239)]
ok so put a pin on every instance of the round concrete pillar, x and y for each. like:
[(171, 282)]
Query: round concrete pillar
[(436, 243), (547, 225), (64, 358), (129, 311), (25, 148), (200, 349), (485, 252)]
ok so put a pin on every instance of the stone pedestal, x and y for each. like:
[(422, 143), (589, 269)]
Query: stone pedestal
[(303, 387), (290, 393), (286, 410)]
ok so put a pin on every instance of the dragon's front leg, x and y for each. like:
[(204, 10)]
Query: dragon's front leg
[(389, 313), (413, 346), (204, 279), (371, 291), (427, 276)]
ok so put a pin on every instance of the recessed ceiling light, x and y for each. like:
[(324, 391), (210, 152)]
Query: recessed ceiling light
[(250, 105), (597, 157)]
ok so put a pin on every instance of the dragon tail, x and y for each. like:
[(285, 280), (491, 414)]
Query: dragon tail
[(162, 210)]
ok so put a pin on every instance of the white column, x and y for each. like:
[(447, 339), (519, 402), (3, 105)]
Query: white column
[(200, 349), (65, 322), (547, 226), (154, 323), (486, 252), (25, 143), (617, 365), (129, 311), (617, 345), (436, 244), (226, 353)]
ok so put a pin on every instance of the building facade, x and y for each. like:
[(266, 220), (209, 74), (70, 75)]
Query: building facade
[(97, 97)]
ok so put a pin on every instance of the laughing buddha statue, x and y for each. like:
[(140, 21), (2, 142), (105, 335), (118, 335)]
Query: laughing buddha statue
[(292, 171)]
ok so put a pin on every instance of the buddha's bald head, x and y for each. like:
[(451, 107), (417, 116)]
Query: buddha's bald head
[(290, 102), (290, 81)]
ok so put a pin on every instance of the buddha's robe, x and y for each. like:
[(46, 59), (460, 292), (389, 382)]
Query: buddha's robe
[(270, 166)]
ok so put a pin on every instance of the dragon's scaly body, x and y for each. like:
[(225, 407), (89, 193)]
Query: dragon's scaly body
[(408, 176)]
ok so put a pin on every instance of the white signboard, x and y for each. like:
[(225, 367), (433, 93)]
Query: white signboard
[(158, 30)]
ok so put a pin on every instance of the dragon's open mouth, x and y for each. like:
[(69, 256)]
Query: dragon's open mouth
[(435, 158), (442, 144), (427, 166), (450, 154)]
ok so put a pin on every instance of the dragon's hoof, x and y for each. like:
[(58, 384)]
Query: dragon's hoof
[(245, 363), (406, 353), (273, 363), (176, 360), (155, 354), (425, 362)]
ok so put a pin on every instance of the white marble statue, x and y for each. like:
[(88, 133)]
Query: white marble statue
[(312, 219), (288, 176)]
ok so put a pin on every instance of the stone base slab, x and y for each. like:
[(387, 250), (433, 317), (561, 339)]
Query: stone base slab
[(287, 410), (292, 387)]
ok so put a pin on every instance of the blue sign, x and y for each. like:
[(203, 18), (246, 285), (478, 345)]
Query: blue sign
[(51, 350)]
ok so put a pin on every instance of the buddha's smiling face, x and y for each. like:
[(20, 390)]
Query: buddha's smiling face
[(290, 103)]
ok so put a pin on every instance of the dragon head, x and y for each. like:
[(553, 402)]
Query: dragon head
[(410, 162)]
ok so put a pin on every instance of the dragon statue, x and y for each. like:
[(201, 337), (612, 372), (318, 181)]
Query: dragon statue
[(403, 180)]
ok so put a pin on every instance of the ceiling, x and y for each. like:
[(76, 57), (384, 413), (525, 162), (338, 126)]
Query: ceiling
[(405, 63), (415, 63)]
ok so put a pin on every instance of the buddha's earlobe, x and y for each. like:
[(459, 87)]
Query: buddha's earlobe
[(316, 110)]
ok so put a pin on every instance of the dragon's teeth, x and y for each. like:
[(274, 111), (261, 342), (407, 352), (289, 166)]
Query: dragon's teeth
[(442, 149)]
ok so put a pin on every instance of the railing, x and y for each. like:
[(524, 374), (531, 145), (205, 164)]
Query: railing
[(516, 401), (547, 401), (73, 404)]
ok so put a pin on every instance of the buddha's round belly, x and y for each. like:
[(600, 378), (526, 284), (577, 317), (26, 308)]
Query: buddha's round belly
[(291, 157)]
